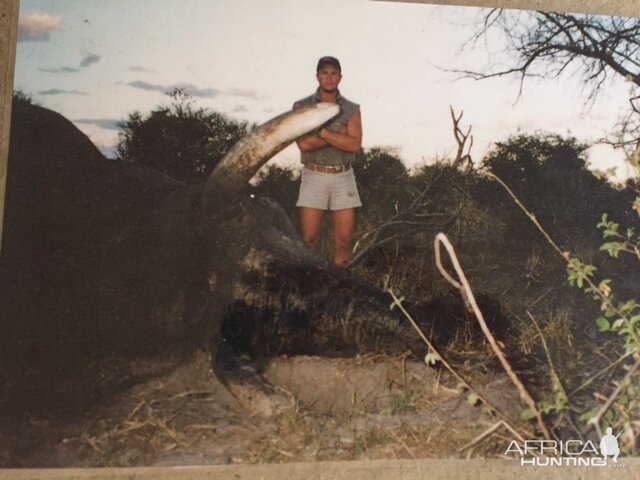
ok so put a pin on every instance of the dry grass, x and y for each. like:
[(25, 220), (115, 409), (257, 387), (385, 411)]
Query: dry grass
[(146, 429), (421, 414), (556, 327)]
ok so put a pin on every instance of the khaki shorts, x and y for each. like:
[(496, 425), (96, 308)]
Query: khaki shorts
[(328, 191)]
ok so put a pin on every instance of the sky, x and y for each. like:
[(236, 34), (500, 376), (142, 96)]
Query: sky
[(97, 61)]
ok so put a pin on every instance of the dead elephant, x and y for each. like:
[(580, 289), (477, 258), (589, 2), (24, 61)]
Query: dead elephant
[(104, 263)]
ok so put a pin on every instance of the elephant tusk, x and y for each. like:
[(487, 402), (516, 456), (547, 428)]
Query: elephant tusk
[(247, 156)]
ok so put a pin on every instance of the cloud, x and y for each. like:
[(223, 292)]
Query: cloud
[(139, 68), (240, 108), (58, 91), (187, 87), (86, 61), (243, 92), (146, 86), (106, 123), (89, 60), (193, 90), (36, 26), (59, 70)]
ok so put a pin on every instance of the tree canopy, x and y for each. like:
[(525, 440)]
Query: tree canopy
[(180, 140), (549, 175)]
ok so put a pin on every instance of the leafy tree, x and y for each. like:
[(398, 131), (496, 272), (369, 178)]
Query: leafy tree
[(403, 211), (280, 184), (180, 140), (21, 98), (383, 182), (542, 161), (549, 174)]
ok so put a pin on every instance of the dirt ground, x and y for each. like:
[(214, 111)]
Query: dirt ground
[(278, 410)]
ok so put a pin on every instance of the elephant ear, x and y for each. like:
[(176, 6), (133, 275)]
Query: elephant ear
[(243, 161)]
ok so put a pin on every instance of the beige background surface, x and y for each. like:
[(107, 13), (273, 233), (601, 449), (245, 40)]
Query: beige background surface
[(626, 8), (415, 469), (357, 470), (8, 36)]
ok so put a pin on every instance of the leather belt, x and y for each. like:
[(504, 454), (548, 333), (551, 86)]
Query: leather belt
[(323, 169)]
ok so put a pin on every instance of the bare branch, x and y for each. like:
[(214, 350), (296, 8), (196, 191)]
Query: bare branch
[(598, 46), (549, 45), (414, 218), (461, 140)]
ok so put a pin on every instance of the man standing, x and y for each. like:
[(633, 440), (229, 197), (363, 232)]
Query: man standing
[(327, 180)]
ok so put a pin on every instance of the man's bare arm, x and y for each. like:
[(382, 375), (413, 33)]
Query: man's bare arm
[(349, 140), (309, 143)]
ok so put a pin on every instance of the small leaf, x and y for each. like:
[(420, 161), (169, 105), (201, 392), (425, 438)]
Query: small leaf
[(473, 399), (617, 324), (603, 324), (603, 223), (608, 416), (612, 248), (545, 406), (487, 410), (527, 414), (605, 288), (431, 358), (589, 417)]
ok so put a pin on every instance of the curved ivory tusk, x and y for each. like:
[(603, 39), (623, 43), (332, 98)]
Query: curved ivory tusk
[(247, 156)]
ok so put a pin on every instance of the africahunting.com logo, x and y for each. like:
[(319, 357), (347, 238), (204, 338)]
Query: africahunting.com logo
[(569, 453)]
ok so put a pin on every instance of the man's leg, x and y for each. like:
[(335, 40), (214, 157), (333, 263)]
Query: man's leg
[(310, 223), (343, 222)]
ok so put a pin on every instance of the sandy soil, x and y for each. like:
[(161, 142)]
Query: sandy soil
[(277, 410)]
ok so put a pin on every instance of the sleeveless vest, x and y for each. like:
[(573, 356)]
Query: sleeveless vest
[(330, 156)]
